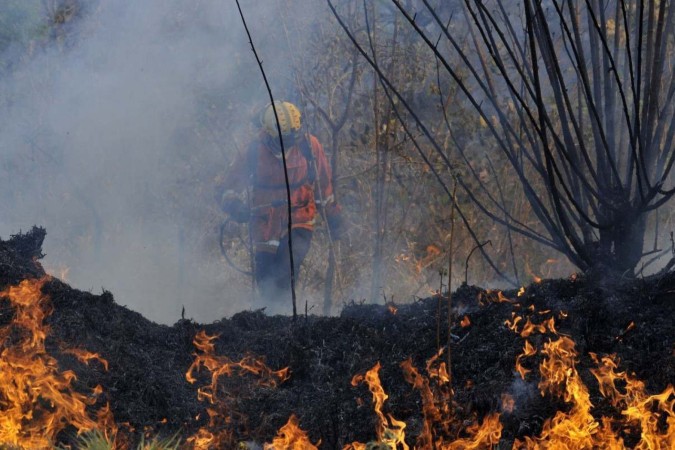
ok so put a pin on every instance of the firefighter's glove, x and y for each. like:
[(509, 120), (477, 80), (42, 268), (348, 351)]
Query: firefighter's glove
[(336, 226), (235, 208)]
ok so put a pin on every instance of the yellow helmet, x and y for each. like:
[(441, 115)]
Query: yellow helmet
[(289, 119)]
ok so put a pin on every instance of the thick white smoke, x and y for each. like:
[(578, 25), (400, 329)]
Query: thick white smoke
[(105, 138)]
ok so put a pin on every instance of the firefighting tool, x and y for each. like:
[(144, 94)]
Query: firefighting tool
[(225, 242), (223, 247)]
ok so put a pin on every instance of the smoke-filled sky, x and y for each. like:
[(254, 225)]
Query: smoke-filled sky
[(100, 129)]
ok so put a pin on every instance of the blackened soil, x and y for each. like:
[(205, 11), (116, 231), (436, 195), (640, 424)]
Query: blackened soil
[(147, 389)]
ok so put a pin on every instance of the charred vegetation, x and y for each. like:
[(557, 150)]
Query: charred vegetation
[(144, 378)]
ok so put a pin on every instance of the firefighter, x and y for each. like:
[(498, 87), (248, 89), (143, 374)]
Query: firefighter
[(260, 169)]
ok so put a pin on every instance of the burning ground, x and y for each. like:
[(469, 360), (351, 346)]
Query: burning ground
[(558, 364)]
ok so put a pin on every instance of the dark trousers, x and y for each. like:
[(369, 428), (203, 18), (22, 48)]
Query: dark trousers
[(273, 270)]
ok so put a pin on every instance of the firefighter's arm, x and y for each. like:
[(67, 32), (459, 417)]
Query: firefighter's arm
[(230, 190), (327, 200)]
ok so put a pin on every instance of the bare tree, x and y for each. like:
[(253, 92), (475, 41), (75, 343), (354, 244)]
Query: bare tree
[(578, 98)]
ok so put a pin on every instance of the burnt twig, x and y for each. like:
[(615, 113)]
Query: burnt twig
[(283, 158), (466, 263)]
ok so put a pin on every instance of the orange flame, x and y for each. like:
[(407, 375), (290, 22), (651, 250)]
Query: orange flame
[(220, 416), (535, 278), (577, 428), (512, 324), (440, 425), (529, 328), (508, 403), (528, 350), (437, 369), (390, 432), (494, 296), (85, 356), (430, 409), (637, 407), (38, 400), (432, 252), (465, 322), (630, 326), (291, 437), (483, 435)]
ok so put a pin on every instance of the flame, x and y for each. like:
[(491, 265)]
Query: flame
[(529, 328), (508, 403), (535, 278), (390, 432), (576, 428), (222, 365), (494, 296), (221, 414), (392, 309), (85, 356), (465, 322), (483, 435), (512, 324), (37, 401), (291, 437), (402, 258), (521, 291), (430, 409), (528, 350), (636, 406), (435, 408), (203, 439), (438, 372), (630, 326), (431, 253), (502, 299), (440, 424), (654, 415)]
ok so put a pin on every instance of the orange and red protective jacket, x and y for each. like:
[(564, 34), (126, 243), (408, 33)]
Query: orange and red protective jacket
[(261, 167)]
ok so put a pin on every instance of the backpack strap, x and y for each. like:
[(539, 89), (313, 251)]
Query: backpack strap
[(306, 151)]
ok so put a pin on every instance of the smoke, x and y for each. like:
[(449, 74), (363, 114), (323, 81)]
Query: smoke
[(114, 128)]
